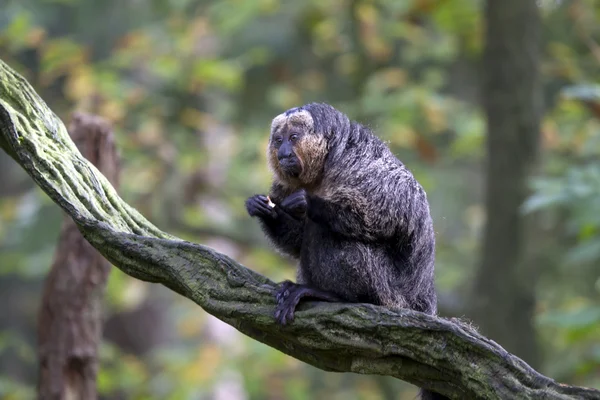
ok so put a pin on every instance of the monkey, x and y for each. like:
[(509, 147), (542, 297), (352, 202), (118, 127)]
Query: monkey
[(349, 212)]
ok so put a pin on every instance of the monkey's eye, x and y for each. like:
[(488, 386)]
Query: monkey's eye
[(278, 139), (294, 137)]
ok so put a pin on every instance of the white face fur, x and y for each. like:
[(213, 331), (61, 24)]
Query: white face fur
[(311, 149), (302, 117)]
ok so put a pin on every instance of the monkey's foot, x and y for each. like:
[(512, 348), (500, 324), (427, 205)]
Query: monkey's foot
[(289, 295)]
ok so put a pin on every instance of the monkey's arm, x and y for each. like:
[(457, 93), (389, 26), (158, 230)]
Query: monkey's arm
[(283, 224), (382, 205), (284, 231)]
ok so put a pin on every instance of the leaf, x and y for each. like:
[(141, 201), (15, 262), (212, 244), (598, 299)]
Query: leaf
[(584, 317), (17, 32), (540, 201), (59, 56), (584, 92), (223, 74), (80, 83), (426, 149), (586, 252)]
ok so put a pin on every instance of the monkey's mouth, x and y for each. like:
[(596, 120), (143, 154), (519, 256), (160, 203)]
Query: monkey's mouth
[(290, 167)]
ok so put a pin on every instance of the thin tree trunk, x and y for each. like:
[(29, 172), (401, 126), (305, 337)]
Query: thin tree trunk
[(503, 297), (70, 319)]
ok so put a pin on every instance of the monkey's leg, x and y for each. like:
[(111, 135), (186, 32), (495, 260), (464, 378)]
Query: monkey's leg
[(290, 294)]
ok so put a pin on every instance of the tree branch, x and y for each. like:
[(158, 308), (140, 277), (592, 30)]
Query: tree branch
[(427, 351)]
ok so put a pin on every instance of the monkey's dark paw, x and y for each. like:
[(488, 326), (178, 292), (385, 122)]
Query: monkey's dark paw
[(285, 313), (289, 295), (295, 203), (258, 206), (284, 291)]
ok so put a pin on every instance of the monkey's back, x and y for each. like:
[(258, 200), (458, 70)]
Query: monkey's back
[(396, 269)]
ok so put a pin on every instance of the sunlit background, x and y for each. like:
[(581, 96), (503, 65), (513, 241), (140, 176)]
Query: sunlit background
[(191, 86)]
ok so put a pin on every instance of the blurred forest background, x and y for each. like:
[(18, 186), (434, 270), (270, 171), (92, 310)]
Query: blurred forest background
[(191, 86)]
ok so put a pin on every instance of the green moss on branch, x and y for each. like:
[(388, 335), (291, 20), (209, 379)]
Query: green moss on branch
[(427, 351)]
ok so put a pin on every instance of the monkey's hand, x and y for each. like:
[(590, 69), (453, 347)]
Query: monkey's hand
[(288, 296), (295, 204), (258, 206)]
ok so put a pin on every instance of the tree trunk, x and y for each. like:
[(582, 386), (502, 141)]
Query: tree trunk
[(70, 322), (503, 295)]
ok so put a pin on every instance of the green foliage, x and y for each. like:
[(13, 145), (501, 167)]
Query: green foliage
[(568, 195)]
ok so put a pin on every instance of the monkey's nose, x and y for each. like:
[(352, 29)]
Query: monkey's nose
[(282, 154)]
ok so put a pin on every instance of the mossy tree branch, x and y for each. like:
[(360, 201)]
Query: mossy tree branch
[(427, 351)]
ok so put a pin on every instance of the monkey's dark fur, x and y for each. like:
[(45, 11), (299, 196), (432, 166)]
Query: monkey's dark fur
[(350, 212)]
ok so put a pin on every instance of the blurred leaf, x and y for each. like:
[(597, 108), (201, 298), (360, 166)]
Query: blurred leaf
[(589, 92), (541, 201), (10, 389), (581, 320), (80, 83), (218, 73), (17, 32), (59, 56), (585, 252)]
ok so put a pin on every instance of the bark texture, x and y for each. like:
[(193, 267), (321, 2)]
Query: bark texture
[(428, 351), (504, 286), (70, 320)]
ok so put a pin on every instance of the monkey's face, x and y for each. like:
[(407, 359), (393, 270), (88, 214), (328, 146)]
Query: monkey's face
[(284, 143), (296, 153)]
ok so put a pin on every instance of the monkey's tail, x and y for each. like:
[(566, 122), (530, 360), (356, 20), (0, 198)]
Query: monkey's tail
[(429, 395)]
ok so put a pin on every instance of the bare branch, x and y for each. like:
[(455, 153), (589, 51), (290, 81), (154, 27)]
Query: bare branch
[(429, 352)]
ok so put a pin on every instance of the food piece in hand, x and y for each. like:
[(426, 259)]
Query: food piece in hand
[(270, 203)]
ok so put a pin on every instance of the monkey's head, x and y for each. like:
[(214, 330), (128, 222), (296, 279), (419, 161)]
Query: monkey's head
[(301, 140), (296, 153)]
